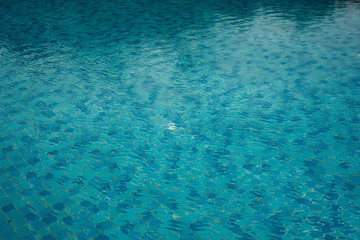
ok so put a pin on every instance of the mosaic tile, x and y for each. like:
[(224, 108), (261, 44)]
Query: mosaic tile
[(5, 227), (11, 236), (179, 120)]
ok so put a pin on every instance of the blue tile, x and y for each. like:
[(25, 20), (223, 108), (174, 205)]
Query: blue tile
[(30, 175), (101, 237), (44, 193), (48, 176), (28, 140), (63, 234), (5, 227), (3, 218), (82, 236), (68, 220), (37, 225), (26, 209), (7, 149), (27, 192), (11, 236), (25, 231), (8, 208), (48, 237), (59, 206), (48, 219), (33, 161), (31, 217), (29, 237)]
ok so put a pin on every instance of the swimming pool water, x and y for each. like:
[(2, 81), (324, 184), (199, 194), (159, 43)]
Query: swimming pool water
[(138, 119)]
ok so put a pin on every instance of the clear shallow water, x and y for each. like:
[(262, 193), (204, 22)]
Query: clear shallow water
[(179, 119)]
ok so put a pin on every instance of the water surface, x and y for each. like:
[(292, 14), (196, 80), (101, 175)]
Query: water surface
[(137, 119)]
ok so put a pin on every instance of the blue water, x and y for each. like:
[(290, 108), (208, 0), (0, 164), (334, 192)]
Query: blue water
[(179, 119)]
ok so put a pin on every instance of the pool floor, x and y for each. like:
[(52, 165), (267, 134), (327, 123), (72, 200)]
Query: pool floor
[(178, 119)]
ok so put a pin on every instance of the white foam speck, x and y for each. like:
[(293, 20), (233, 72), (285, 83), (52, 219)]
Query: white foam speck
[(171, 126)]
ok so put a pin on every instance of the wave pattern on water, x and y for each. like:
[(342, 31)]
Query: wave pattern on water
[(176, 119)]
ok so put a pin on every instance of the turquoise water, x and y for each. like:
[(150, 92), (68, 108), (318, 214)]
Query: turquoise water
[(178, 119)]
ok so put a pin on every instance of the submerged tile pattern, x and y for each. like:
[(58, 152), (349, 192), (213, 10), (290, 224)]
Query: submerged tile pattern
[(179, 119)]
